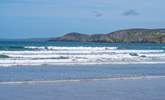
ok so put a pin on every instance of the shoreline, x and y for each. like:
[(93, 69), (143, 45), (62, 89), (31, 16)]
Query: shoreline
[(80, 80), (75, 64)]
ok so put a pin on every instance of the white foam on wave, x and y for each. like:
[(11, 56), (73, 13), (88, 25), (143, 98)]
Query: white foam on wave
[(69, 48), (90, 51), (38, 63), (64, 56), (80, 55)]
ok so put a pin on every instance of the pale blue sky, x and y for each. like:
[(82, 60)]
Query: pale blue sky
[(50, 18)]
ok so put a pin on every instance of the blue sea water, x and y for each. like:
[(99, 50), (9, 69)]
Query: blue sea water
[(42, 82), (20, 45), (15, 53), (38, 60), (31, 70), (79, 72)]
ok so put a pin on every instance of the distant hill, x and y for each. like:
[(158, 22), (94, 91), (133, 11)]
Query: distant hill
[(128, 36)]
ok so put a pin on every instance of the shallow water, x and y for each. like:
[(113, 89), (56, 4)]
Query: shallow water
[(79, 72), (87, 90), (83, 82)]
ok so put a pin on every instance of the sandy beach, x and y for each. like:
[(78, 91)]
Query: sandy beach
[(139, 89), (101, 82)]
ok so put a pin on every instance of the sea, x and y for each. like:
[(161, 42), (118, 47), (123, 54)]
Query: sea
[(18, 53), (57, 70)]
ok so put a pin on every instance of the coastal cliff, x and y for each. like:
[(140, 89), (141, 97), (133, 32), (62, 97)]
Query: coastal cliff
[(126, 36)]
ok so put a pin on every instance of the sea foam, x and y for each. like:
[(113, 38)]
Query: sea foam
[(52, 55)]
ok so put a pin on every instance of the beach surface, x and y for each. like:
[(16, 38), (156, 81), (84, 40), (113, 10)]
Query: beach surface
[(83, 82), (138, 89)]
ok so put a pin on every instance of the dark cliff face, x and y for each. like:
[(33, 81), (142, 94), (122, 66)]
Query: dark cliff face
[(129, 36)]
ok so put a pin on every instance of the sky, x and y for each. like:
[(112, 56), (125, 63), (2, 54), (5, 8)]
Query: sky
[(52, 18)]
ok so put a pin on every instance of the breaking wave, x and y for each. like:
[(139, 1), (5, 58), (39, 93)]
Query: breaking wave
[(52, 55), (4, 56)]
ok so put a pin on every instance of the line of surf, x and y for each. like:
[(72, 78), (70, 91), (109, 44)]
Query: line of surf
[(79, 80), (75, 63)]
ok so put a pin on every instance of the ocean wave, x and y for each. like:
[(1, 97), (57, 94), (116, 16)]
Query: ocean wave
[(4, 56), (69, 62), (79, 55), (81, 52), (79, 80), (12, 48), (69, 48)]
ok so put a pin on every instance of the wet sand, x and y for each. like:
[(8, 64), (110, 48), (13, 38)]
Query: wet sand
[(140, 89)]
